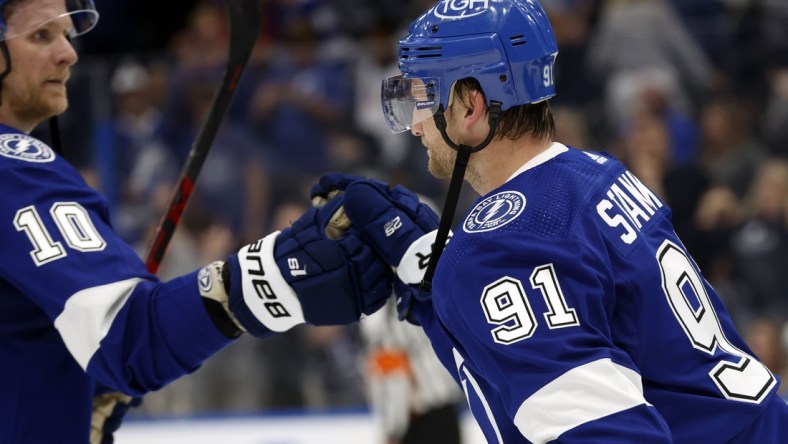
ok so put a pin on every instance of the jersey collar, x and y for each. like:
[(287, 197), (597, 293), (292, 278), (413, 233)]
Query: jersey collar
[(552, 151)]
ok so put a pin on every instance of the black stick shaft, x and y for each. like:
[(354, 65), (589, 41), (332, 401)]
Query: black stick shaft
[(244, 19)]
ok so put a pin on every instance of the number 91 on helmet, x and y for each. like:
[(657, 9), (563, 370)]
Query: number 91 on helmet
[(508, 46)]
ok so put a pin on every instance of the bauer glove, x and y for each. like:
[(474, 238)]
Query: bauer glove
[(396, 224), (300, 275)]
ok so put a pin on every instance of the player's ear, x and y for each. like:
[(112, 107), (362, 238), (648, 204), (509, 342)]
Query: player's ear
[(476, 109)]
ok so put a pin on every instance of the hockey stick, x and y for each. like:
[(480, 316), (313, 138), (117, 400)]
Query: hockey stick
[(244, 19)]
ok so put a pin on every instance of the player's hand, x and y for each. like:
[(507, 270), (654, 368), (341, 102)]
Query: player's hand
[(300, 275), (399, 227)]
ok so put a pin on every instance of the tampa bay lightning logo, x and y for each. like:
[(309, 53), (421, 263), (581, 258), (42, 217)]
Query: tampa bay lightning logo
[(455, 9), (494, 212), (24, 147)]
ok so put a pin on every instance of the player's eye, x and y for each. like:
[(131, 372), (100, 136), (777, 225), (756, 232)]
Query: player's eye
[(41, 35)]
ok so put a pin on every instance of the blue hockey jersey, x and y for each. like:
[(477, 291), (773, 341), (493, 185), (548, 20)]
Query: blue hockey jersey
[(569, 311), (77, 304)]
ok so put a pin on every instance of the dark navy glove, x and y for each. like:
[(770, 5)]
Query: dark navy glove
[(301, 275), (332, 184), (395, 223), (109, 408)]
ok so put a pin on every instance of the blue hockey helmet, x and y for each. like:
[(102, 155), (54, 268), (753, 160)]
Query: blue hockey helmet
[(508, 46), (83, 14)]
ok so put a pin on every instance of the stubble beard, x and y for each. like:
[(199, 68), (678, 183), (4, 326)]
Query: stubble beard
[(42, 106), (441, 158), (441, 161)]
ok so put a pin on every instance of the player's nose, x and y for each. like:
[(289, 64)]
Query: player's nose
[(65, 52), (417, 129)]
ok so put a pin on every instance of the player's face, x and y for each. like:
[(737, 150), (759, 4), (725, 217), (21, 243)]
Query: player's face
[(441, 156), (35, 89)]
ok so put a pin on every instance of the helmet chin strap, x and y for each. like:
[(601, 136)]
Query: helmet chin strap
[(54, 134), (455, 186)]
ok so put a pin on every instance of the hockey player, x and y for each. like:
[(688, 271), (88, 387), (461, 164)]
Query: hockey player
[(77, 305), (564, 305)]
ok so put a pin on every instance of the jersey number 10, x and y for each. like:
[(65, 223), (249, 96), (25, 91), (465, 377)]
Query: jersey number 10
[(72, 221)]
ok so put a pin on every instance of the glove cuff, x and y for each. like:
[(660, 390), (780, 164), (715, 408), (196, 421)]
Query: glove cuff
[(212, 289), (265, 296)]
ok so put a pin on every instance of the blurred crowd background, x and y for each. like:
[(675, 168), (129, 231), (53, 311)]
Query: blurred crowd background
[(691, 94)]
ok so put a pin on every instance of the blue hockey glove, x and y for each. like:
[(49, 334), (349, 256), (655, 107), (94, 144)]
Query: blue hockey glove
[(331, 184), (399, 227), (300, 275), (109, 408)]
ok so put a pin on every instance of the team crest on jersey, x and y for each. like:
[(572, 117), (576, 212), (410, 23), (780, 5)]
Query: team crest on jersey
[(24, 147), (456, 9), (494, 212)]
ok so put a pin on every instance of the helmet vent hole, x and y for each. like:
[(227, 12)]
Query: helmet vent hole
[(518, 40), (421, 52)]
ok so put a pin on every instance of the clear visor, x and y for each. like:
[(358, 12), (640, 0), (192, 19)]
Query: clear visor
[(82, 13), (407, 102)]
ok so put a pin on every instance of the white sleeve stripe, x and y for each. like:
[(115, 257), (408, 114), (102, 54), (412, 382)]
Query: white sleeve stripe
[(88, 316), (278, 307), (408, 269), (581, 395)]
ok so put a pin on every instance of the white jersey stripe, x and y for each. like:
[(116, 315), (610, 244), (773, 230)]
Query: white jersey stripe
[(581, 395), (88, 315), (459, 361)]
